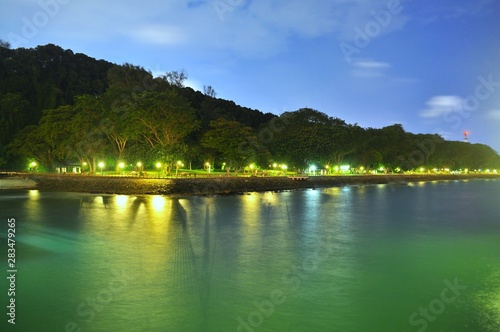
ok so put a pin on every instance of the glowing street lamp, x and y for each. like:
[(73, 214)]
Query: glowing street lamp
[(101, 166), (158, 166), (33, 166), (121, 166), (208, 166)]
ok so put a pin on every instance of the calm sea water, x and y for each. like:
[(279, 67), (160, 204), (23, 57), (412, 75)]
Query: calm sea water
[(422, 257)]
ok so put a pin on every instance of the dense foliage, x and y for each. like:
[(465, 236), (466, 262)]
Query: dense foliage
[(57, 107)]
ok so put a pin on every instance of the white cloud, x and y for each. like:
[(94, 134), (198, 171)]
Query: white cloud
[(369, 68), (440, 105)]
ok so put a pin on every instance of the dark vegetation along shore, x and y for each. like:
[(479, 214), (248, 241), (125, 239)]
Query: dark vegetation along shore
[(60, 110), (209, 186)]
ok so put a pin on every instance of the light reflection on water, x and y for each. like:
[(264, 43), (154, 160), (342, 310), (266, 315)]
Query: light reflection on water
[(343, 259)]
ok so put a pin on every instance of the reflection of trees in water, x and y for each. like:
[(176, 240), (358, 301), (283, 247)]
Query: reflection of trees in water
[(200, 245), (134, 208), (218, 244), (88, 201), (203, 266)]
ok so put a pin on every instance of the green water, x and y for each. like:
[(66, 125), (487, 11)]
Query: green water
[(423, 257)]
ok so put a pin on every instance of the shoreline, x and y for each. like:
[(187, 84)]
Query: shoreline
[(209, 186)]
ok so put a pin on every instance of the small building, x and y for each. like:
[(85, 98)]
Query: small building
[(69, 168)]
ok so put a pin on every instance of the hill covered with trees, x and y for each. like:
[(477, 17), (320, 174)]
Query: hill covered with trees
[(58, 107)]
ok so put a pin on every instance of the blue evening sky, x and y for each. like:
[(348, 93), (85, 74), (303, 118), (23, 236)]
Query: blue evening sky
[(433, 66)]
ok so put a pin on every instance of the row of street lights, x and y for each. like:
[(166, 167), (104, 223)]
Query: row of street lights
[(139, 165)]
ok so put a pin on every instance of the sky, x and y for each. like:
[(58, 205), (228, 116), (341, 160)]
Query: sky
[(432, 66)]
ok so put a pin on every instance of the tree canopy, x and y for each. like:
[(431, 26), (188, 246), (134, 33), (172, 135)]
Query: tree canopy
[(58, 107)]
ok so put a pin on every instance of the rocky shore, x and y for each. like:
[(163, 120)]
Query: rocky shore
[(207, 186)]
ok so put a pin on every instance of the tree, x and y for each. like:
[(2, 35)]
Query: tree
[(175, 78), (209, 91), (130, 78), (4, 44), (13, 117), (46, 141), (163, 120), (236, 143), (29, 143), (345, 140), (305, 138), (87, 141), (117, 122)]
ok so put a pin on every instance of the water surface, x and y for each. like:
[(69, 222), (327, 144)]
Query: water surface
[(373, 258)]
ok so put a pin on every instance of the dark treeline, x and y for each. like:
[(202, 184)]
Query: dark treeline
[(57, 107)]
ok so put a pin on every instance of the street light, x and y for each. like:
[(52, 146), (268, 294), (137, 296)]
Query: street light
[(101, 165), (33, 166), (121, 166), (345, 168), (158, 165), (208, 166)]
